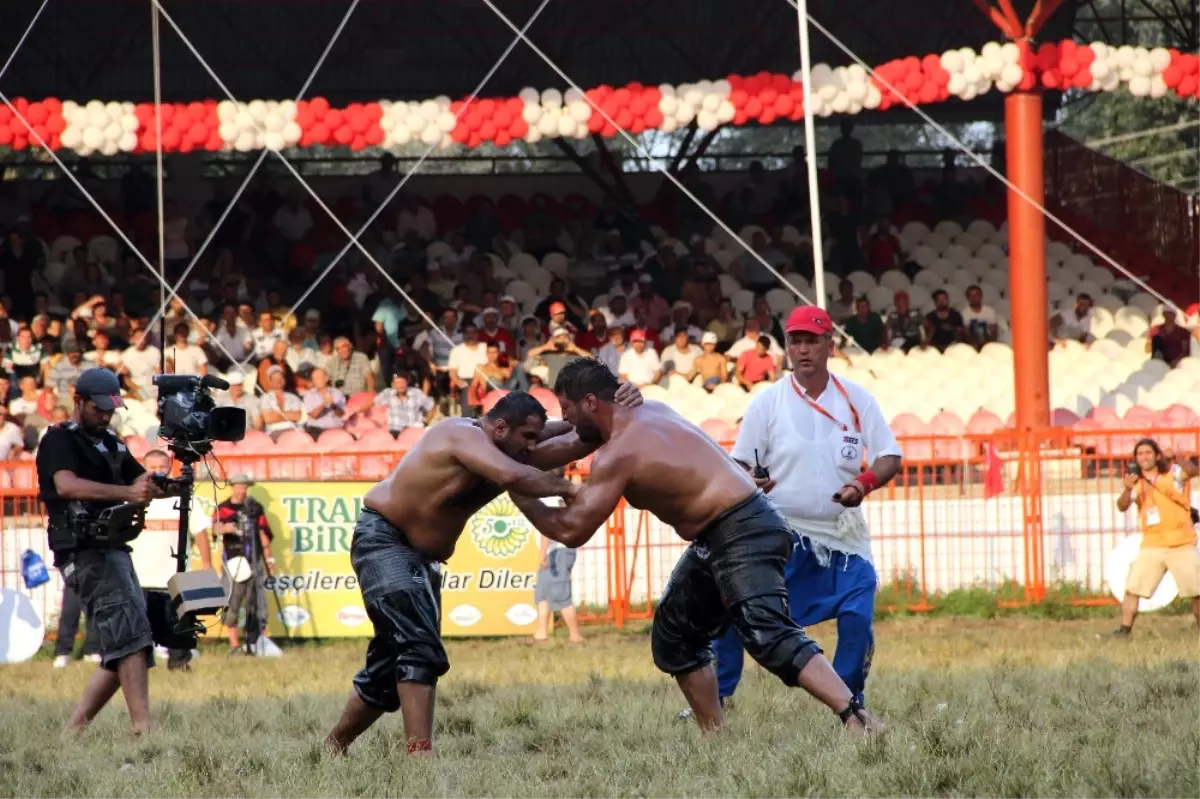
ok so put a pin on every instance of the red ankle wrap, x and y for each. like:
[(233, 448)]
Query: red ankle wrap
[(420, 745)]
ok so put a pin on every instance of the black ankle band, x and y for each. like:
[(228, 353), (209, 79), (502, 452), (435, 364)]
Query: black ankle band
[(855, 709)]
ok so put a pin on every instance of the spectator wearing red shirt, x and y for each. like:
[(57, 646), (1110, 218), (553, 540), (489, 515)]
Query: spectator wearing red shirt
[(493, 333), (882, 247), (756, 365), (596, 336), (1169, 342)]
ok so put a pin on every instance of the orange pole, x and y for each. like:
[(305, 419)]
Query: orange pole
[(1027, 259)]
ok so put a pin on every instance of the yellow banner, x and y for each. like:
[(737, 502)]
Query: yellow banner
[(487, 586)]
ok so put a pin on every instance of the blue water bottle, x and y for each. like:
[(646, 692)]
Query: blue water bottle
[(33, 569)]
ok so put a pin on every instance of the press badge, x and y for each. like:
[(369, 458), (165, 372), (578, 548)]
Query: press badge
[(849, 450), (1152, 516)]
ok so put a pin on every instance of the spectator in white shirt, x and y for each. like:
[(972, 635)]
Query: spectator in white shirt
[(1074, 325), (281, 410), (325, 405), (139, 364), (297, 352), (292, 220), (100, 354), (750, 340), (12, 439), (238, 397), (184, 358), (979, 319), (618, 313), (639, 364), (265, 335), (232, 334), (679, 356), (26, 405), (681, 312), (464, 359)]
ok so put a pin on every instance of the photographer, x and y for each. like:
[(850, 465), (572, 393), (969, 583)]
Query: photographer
[(1161, 489), (84, 468), (242, 524)]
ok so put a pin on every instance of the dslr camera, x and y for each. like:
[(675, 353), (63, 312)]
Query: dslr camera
[(1133, 469), (189, 418)]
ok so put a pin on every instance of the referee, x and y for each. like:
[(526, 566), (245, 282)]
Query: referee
[(814, 432), (83, 467)]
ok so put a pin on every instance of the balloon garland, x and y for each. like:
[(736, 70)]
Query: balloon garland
[(112, 128)]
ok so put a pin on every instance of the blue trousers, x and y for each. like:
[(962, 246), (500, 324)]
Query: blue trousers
[(843, 590)]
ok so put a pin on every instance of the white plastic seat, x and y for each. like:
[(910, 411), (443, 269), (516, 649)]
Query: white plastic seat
[(992, 253)]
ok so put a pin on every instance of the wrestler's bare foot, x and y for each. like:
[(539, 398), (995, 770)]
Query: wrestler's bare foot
[(864, 722)]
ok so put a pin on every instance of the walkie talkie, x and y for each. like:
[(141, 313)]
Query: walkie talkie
[(760, 471)]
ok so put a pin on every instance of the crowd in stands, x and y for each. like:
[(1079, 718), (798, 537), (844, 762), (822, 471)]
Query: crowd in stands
[(496, 295)]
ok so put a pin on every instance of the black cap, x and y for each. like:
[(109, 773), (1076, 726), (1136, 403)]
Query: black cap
[(102, 387)]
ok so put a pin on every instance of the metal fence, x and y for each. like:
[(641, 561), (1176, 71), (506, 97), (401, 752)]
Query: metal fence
[(935, 530)]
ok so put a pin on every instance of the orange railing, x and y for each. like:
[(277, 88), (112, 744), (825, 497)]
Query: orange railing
[(934, 530)]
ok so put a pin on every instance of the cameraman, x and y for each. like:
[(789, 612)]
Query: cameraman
[(84, 466), (242, 524), (1161, 489)]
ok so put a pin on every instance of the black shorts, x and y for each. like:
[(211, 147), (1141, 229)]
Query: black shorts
[(107, 585), (732, 572), (402, 593)]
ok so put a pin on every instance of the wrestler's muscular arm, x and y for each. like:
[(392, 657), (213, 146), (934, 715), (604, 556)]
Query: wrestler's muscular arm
[(472, 448), (559, 445), (574, 524)]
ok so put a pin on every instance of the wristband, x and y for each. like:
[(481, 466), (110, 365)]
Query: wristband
[(868, 481)]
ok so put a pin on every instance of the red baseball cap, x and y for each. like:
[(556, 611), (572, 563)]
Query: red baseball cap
[(637, 335), (557, 307), (809, 319)]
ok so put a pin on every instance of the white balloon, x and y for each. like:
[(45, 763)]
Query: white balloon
[(228, 131), (245, 142), (114, 110), (443, 102), (1101, 50), (572, 95), (705, 86), (417, 123), (292, 132), (667, 90), (401, 134), (1111, 82), (1125, 55), (840, 103), (967, 55), (1012, 74), (707, 120), (994, 62), (685, 114), (1012, 53), (552, 98), (129, 122), (952, 62), (856, 74), (113, 132), (958, 84), (668, 105), (257, 109), (244, 120), (1160, 58), (1139, 86), (446, 122), (824, 108), (566, 126), (93, 138), (109, 148), (669, 125), (693, 97), (857, 92), (531, 113), (398, 111), (274, 141), (711, 102), (580, 111), (529, 95), (128, 142), (972, 73), (95, 108), (69, 109), (274, 123), (874, 97), (548, 125), (287, 108), (1143, 68), (722, 87), (431, 135), (72, 138), (855, 107), (1158, 87), (226, 111), (430, 110), (991, 50), (821, 75), (97, 117), (969, 91), (726, 112), (534, 135), (1124, 73), (1100, 70), (828, 92)]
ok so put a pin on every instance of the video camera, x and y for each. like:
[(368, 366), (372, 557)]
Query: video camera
[(189, 419)]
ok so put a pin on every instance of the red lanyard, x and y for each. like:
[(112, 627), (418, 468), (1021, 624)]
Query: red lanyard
[(842, 390)]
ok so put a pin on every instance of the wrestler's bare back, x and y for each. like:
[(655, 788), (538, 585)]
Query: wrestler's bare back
[(671, 468), (430, 494)]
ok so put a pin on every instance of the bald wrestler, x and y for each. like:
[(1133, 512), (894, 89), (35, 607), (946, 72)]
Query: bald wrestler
[(733, 571), (411, 522)]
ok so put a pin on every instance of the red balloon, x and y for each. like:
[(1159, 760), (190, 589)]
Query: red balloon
[(55, 141), (608, 131), (37, 114), (1172, 75), (754, 107), (343, 135), (1028, 81), (487, 131), (1047, 57), (623, 97), (1086, 56), (654, 118), (910, 64), (1067, 65), (358, 143), (930, 63), (740, 117), (197, 110), (460, 134), (519, 128), (637, 127), (515, 106), (503, 139), (22, 105), (56, 124), (472, 119), (182, 121), (40, 134), (359, 122), (1052, 79), (474, 141), (456, 106), (1188, 86), (486, 108), (913, 81), (185, 146), (1082, 78), (215, 142), (596, 123), (146, 142), (941, 77), (928, 92), (1067, 48), (19, 142), (1191, 64), (638, 106), (768, 116), (335, 119), (198, 133), (943, 94), (53, 105), (739, 98), (768, 96), (611, 107), (781, 83), (321, 133), (784, 105), (502, 117), (170, 139), (624, 119), (168, 111)]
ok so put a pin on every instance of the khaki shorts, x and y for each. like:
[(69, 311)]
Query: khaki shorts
[(1152, 564)]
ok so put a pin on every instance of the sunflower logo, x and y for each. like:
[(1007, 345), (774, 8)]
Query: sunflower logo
[(499, 530)]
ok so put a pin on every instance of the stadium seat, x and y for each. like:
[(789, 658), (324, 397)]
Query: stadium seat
[(409, 437)]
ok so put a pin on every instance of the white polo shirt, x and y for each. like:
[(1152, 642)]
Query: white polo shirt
[(811, 456)]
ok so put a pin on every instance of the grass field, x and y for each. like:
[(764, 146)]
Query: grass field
[(1003, 707)]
